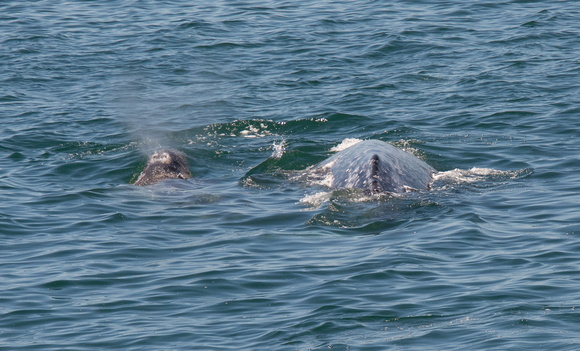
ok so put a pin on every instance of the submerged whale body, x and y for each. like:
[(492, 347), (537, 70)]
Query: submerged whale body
[(165, 164), (377, 167)]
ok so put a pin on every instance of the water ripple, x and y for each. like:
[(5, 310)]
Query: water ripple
[(246, 255)]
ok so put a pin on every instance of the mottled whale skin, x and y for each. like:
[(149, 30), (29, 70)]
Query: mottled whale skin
[(165, 164), (377, 167)]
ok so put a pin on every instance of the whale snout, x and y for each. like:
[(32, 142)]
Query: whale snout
[(165, 164)]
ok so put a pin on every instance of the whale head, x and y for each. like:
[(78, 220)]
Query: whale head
[(165, 164)]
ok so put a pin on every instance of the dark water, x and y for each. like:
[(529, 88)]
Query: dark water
[(244, 256)]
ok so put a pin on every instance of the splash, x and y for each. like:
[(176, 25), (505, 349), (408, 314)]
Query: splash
[(278, 149)]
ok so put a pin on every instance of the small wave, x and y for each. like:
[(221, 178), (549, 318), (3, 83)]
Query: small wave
[(79, 150), (257, 128)]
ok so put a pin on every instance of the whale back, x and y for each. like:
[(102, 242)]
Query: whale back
[(377, 166), (165, 164)]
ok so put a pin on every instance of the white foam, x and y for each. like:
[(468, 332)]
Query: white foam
[(475, 174), (315, 200), (253, 132), (345, 144), (278, 149)]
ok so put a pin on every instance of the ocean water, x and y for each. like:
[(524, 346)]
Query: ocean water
[(247, 255)]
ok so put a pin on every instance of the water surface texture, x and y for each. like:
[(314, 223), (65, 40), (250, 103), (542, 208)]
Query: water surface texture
[(250, 254)]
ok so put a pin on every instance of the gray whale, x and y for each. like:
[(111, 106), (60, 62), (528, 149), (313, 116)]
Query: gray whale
[(165, 164), (377, 167)]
